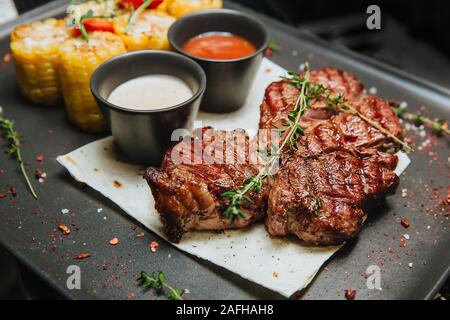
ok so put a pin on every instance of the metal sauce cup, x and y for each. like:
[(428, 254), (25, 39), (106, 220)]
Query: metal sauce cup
[(144, 136), (229, 81)]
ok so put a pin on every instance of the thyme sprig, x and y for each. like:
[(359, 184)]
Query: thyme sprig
[(290, 132), (77, 21), (438, 126), (339, 103), (157, 281), (13, 138)]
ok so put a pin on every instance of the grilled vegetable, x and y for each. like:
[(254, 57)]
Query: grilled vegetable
[(148, 32), (179, 8), (34, 47), (79, 58), (94, 24), (99, 8)]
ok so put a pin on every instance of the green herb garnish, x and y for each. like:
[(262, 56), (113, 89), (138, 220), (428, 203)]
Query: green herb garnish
[(157, 281), (13, 138), (438, 126)]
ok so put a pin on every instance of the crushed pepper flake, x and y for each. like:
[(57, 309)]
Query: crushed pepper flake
[(405, 222), (82, 256), (64, 229), (153, 246), (350, 294), (3, 195), (13, 191), (114, 241), (117, 184), (140, 235), (38, 174), (40, 158), (7, 58)]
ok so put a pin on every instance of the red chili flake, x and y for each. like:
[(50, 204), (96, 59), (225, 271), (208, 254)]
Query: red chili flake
[(350, 294), (268, 52), (38, 174), (140, 235), (405, 223), (82, 256), (13, 191), (3, 195), (7, 58), (153, 246), (65, 229), (113, 241), (40, 158), (403, 242), (117, 184)]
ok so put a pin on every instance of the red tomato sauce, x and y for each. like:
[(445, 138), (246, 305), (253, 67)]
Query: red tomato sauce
[(220, 46)]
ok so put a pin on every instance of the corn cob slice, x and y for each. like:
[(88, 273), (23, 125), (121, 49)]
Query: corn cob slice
[(79, 59), (100, 8), (148, 32), (35, 50), (179, 8)]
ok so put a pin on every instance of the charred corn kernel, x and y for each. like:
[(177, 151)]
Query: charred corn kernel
[(35, 50), (99, 8), (179, 8), (148, 32), (79, 59)]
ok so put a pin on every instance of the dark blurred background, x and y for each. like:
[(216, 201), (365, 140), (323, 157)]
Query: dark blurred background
[(414, 37)]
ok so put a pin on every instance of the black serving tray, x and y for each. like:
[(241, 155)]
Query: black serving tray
[(28, 227)]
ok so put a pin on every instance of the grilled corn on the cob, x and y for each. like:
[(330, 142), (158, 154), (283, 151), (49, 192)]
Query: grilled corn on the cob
[(79, 59), (35, 50), (148, 32), (179, 8)]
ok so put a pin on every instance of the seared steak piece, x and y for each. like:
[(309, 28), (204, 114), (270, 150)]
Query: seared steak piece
[(280, 97), (321, 199), (188, 188), (349, 130)]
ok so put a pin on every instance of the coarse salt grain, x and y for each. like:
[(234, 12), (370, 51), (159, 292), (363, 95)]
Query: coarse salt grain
[(406, 236), (64, 211), (410, 264), (373, 90), (99, 210)]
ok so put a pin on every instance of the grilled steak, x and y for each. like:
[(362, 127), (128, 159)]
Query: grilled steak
[(321, 199), (188, 187), (321, 190), (349, 130)]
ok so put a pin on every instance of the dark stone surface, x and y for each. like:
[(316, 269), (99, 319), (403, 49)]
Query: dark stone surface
[(29, 228)]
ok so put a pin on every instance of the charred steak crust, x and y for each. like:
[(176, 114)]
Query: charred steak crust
[(188, 195), (353, 132), (321, 191), (321, 199)]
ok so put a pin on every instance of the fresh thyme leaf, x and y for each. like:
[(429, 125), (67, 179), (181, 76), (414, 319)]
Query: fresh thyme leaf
[(438, 126), (157, 281), (13, 139), (274, 46)]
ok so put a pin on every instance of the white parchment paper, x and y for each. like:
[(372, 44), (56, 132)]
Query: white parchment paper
[(283, 265)]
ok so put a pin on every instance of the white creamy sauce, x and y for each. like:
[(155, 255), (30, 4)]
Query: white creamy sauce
[(152, 92)]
